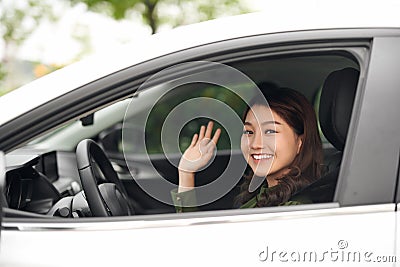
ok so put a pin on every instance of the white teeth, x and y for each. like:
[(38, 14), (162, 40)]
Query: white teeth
[(262, 156)]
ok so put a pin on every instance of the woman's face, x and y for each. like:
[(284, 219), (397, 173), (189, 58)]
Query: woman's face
[(268, 143)]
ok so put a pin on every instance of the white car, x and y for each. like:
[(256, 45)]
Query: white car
[(66, 205)]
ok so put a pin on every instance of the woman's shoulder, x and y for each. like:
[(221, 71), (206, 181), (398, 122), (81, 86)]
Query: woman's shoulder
[(298, 199)]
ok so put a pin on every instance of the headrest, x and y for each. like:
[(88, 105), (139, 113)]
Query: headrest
[(336, 104)]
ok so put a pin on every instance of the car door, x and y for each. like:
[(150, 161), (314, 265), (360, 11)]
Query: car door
[(344, 229)]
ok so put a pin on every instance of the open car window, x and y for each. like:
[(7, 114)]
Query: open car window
[(145, 134)]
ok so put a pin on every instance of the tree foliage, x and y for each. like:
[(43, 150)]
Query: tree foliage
[(171, 12), (18, 19)]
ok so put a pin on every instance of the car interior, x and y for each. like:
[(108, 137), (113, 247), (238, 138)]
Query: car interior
[(85, 167)]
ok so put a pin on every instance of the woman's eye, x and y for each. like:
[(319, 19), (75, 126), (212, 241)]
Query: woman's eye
[(247, 132), (269, 131)]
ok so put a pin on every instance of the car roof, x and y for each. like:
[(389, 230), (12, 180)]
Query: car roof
[(309, 15)]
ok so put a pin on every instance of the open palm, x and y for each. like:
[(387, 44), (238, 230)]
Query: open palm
[(201, 149)]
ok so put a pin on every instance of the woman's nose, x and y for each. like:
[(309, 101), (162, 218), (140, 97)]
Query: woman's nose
[(257, 141)]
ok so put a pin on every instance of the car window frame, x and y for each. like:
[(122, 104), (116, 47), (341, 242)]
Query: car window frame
[(353, 173)]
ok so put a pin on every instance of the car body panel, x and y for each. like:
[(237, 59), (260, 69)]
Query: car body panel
[(233, 240), (381, 89)]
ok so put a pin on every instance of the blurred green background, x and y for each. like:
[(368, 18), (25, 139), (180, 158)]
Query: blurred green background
[(41, 36)]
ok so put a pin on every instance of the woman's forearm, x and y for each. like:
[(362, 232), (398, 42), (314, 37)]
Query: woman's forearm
[(186, 181)]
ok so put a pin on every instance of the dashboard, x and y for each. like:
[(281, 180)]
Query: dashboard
[(34, 184)]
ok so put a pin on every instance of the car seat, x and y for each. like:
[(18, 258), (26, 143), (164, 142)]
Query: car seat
[(336, 105)]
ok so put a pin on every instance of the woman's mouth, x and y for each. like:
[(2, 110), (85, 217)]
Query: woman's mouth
[(262, 156)]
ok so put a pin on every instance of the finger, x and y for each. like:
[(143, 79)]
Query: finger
[(210, 126), (194, 140), (201, 134), (212, 145), (216, 136)]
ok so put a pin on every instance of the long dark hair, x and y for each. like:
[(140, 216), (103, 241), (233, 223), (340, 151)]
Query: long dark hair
[(298, 113)]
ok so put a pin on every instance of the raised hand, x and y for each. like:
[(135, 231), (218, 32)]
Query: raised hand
[(200, 151)]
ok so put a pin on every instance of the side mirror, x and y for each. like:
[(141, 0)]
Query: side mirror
[(111, 140)]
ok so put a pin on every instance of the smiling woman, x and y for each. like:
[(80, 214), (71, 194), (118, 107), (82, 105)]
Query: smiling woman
[(280, 144), (282, 147)]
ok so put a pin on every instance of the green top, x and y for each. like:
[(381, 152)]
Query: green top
[(187, 201)]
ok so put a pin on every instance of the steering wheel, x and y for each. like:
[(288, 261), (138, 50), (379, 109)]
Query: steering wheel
[(105, 199)]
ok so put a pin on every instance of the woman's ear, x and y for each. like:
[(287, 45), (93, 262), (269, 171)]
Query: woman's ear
[(300, 143)]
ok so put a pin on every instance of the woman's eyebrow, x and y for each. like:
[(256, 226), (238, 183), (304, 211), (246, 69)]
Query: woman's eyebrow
[(271, 122), (263, 123)]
